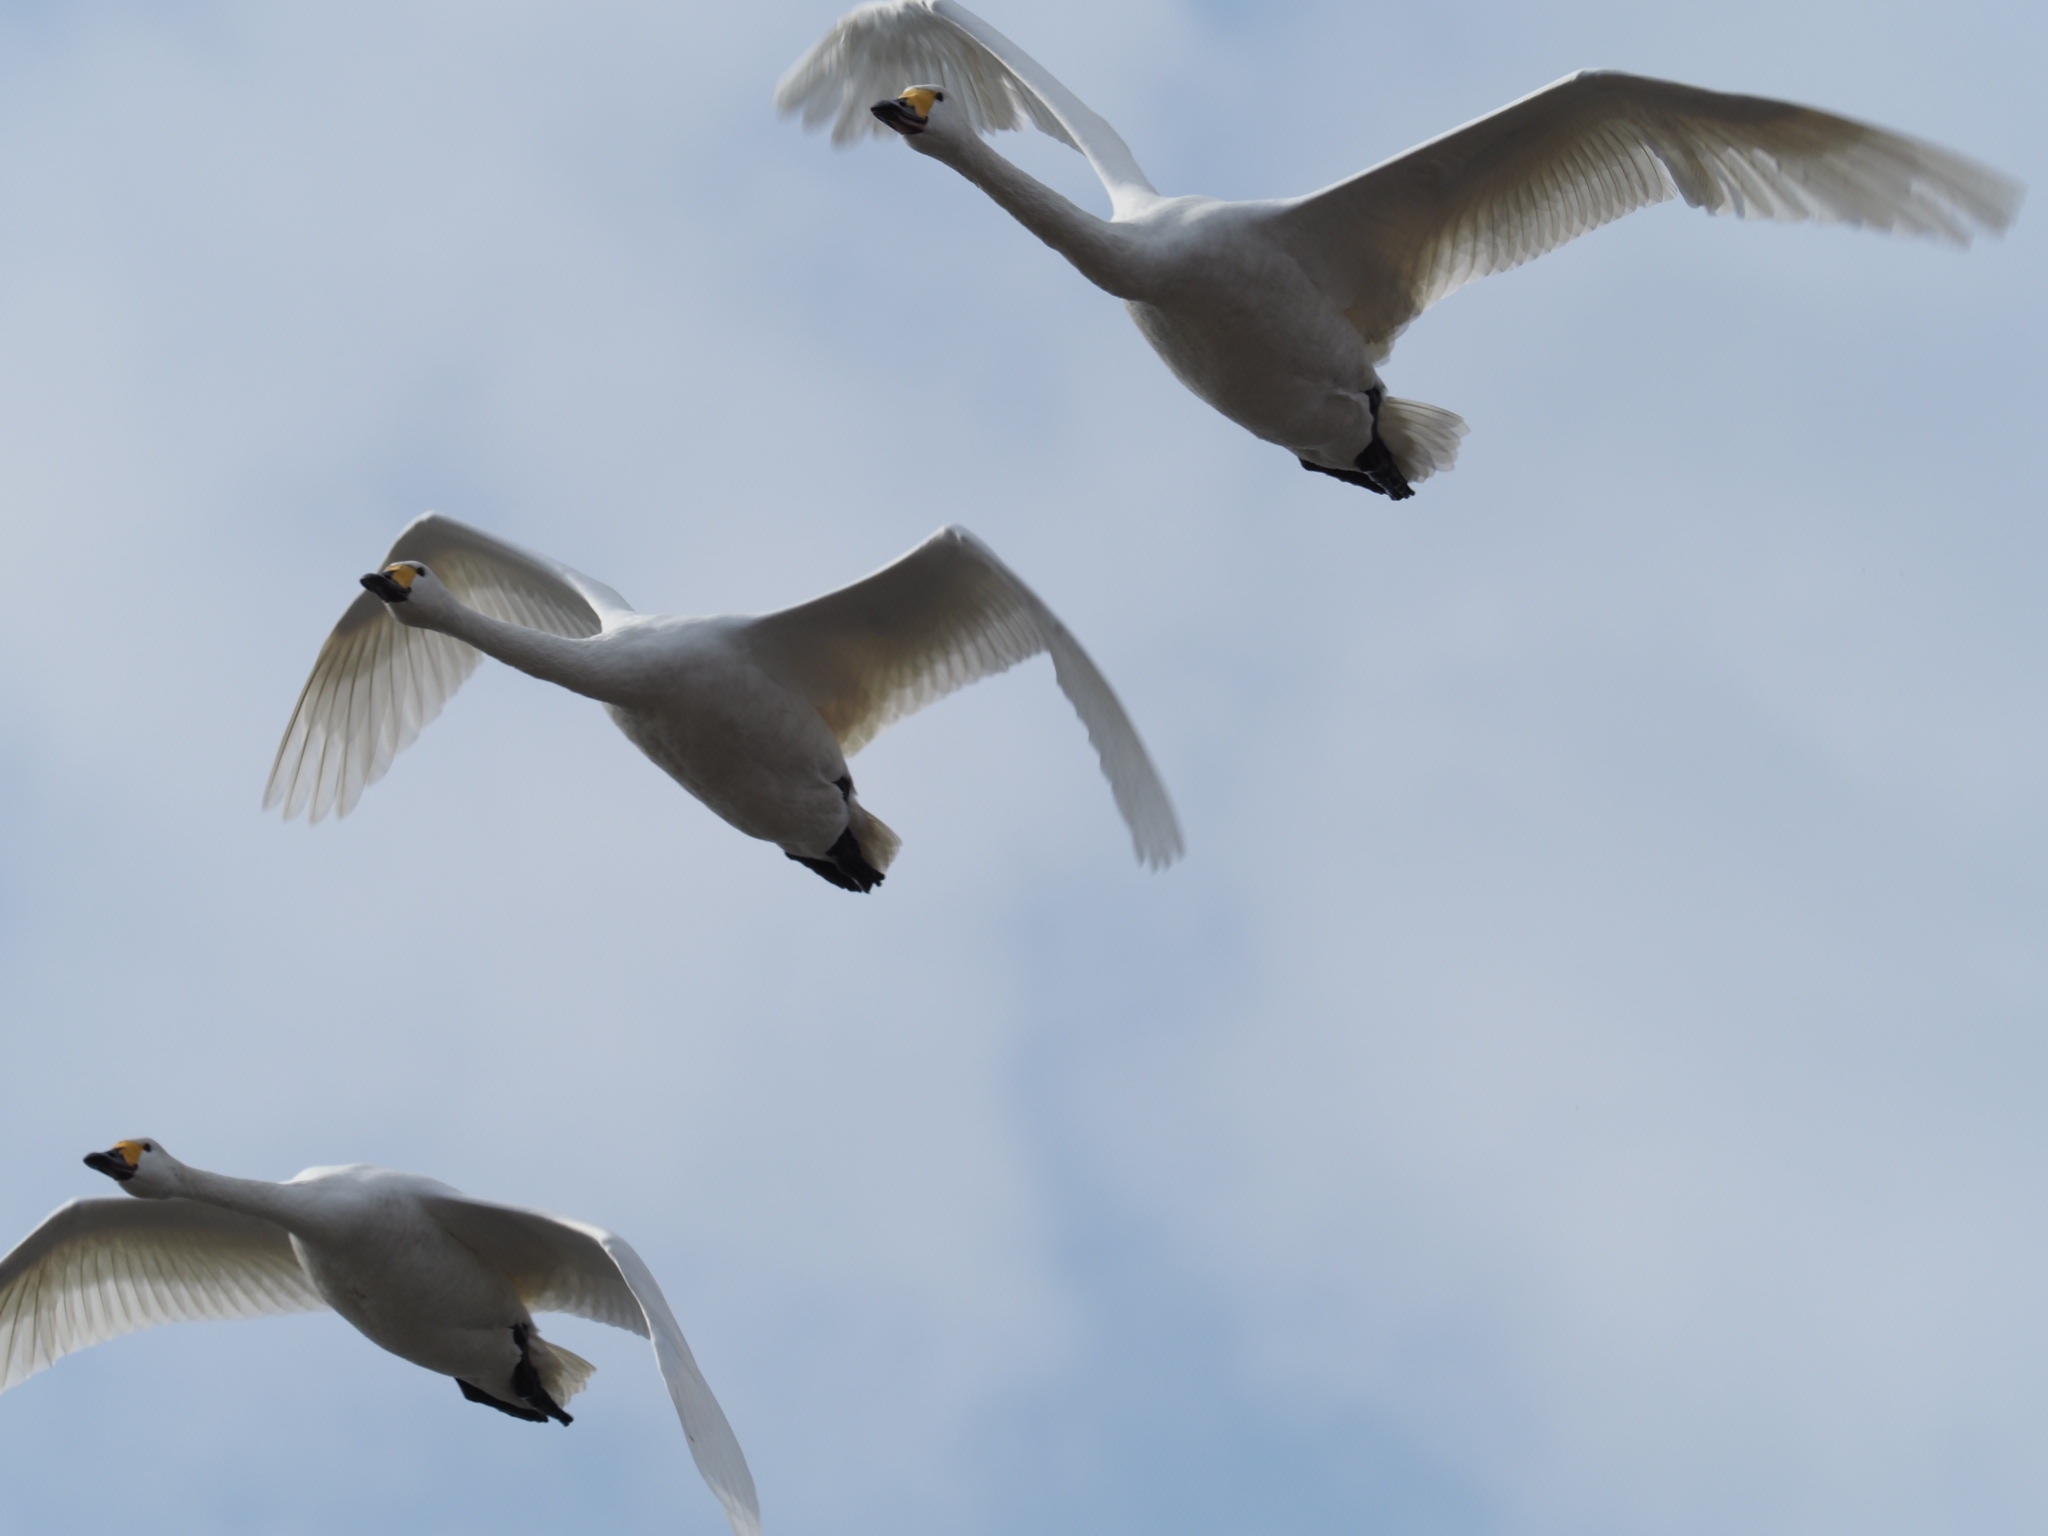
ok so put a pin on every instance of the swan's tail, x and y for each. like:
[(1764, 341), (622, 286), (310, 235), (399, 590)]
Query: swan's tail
[(878, 844), (1422, 438), (562, 1373)]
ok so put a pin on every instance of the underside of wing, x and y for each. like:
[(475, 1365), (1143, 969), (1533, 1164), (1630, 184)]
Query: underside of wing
[(945, 615), (560, 1264), (97, 1269), (713, 1445), (1495, 193), (877, 51), (555, 1263), (377, 683)]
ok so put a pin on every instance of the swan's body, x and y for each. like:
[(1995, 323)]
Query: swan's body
[(421, 1270), (755, 716), (1242, 327), (1279, 313)]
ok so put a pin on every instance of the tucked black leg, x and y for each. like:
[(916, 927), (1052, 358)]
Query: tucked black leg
[(478, 1395), (1378, 471), (526, 1380), (1348, 476), (844, 865), (1375, 469)]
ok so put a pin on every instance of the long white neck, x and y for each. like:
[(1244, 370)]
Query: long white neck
[(1103, 252), (551, 658), (251, 1197)]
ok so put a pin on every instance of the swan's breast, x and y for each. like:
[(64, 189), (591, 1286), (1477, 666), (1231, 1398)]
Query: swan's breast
[(375, 1252), (759, 755), (1242, 325), (410, 1287)]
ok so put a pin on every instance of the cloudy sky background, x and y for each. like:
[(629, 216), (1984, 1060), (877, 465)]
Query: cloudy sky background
[(1586, 1076)]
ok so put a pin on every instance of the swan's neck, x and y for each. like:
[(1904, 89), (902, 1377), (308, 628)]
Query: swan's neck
[(251, 1197), (1103, 252), (551, 658)]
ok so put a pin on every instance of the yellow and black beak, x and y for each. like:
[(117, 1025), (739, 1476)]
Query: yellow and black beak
[(393, 583), (117, 1164), (909, 113)]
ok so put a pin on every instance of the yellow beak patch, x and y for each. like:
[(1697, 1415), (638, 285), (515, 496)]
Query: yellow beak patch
[(404, 575), (919, 100), (131, 1151)]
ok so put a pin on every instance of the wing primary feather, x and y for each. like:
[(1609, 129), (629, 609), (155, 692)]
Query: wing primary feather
[(1522, 181), (377, 684), (947, 614), (558, 1263), (713, 1446), (327, 760), (99, 1268), (876, 50), (284, 768), (359, 738)]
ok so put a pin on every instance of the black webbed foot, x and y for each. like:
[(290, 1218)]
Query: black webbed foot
[(526, 1379), (478, 1395), (1377, 472), (844, 865), (1374, 469)]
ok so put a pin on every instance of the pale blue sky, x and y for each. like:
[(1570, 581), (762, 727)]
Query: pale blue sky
[(1587, 1076)]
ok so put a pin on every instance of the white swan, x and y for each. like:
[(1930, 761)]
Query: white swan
[(754, 716), (1277, 313), (437, 1278)]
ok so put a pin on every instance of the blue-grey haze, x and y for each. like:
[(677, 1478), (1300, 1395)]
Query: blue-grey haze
[(1587, 1076)]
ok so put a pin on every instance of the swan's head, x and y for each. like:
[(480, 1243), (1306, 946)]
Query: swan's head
[(412, 593), (394, 583), (910, 113), (143, 1168)]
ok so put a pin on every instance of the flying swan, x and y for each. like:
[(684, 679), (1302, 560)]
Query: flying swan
[(755, 716), (437, 1278), (1278, 313)]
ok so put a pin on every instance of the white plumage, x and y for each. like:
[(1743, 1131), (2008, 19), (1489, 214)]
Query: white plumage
[(756, 716), (1278, 313), (437, 1278)]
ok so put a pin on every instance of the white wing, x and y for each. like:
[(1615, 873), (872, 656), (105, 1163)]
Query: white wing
[(97, 1269), (377, 683), (563, 1265), (948, 614), (1486, 197), (879, 51)]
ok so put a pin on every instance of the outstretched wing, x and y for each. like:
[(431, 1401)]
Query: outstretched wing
[(559, 1264), (97, 1269), (948, 614), (376, 683), (1486, 197), (880, 50)]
